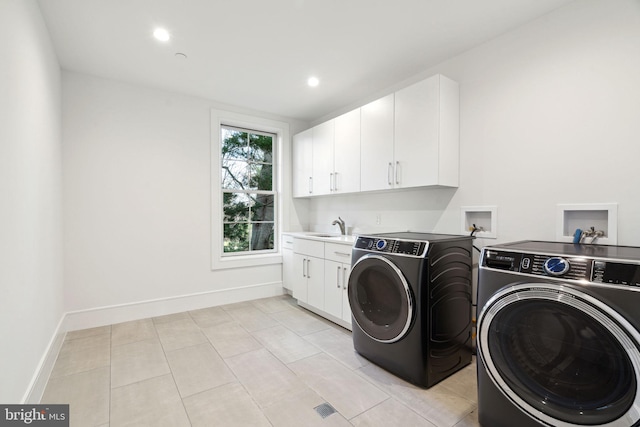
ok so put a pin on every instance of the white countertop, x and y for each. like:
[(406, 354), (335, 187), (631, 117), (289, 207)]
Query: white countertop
[(325, 237)]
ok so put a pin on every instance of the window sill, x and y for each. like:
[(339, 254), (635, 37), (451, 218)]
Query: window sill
[(243, 261)]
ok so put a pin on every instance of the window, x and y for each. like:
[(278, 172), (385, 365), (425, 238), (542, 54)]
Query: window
[(246, 204), (249, 199)]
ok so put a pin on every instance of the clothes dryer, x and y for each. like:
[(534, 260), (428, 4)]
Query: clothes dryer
[(410, 298), (558, 337)]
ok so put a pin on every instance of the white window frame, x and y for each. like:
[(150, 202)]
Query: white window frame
[(281, 129)]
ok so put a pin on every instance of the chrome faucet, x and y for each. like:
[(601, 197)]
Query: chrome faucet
[(340, 223)]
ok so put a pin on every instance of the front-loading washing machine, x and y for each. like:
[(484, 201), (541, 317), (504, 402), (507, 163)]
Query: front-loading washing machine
[(558, 339), (410, 297)]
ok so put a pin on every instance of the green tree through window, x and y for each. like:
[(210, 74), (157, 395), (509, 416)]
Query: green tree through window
[(248, 196)]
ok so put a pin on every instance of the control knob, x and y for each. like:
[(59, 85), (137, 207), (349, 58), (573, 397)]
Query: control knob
[(381, 244), (556, 266)]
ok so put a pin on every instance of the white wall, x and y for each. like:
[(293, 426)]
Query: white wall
[(549, 115), (137, 192), (30, 196)]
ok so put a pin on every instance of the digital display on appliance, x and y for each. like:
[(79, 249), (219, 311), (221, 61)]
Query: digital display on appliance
[(502, 260), (405, 247), (624, 274)]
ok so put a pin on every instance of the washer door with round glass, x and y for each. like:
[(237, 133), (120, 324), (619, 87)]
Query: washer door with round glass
[(380, 298), (562, 356)]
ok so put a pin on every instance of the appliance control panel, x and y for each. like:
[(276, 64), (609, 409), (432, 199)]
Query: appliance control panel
[(391, 246), (618, 273), (566, 267), (538, 264)]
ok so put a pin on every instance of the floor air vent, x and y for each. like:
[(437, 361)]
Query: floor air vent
[(324, 410)]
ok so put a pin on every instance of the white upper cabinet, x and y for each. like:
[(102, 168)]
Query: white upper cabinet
[(376, 147), (302, 163), (346, 171), (409, 138), (426, 134), (326, 158), (323, 136)]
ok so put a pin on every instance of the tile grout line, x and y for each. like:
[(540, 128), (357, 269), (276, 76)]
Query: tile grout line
[(368, 409), (321, 351), (164, 351), (110, 373), (285, 364), (238, 381), (400, 399)]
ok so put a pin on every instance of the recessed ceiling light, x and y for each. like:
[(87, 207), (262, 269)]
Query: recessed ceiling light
[(161, 34), (313, 81)]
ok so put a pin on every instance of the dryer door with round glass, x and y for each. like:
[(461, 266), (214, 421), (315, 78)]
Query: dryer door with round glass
[(380, 298), (562, 356)]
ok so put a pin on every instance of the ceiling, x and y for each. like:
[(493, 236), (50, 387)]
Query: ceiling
[(258, 54)]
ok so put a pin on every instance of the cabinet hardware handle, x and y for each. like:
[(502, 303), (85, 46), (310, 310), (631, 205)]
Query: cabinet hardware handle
[(304, 262), (310, 184), (338, 277), (389, 172), (335, 181), (308, 269), (397, 172), (341, 253), (331, 181)]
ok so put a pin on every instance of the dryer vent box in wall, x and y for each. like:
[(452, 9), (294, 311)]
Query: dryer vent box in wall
[(601, 216)]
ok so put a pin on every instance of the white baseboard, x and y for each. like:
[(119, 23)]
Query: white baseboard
[(43, 371), (109, 315), (102, 316)]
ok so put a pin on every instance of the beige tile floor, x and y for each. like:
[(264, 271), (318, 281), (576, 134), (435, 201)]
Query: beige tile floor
[(258, 363)]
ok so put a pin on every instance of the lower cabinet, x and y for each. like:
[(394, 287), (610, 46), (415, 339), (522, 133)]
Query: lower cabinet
[(288, 274), (337, 266), (315, 282), (299, 277), (308, 270), (308, 284), (336, 300), (320, 282)]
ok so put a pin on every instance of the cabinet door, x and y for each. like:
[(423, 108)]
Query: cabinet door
[(426, 133), (302, 163), (315, 282), (333, 275), (300, 277), (323, 137), (376, 145), (346, 308), (346, 174), (288, 273), (416, 134), (449, 132)]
